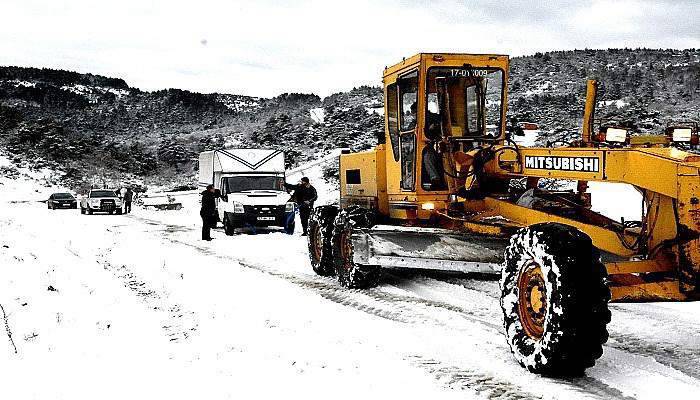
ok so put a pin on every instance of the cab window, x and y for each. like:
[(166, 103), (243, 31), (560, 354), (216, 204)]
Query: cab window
[(408, 103), (473, 123), (408, 90), (464, 102), (392, 111), (408, 161)]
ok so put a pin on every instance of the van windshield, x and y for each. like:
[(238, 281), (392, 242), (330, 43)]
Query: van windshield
[(102, 193), (233, 184)]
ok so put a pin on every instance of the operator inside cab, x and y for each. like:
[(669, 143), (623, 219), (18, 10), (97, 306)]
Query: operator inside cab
[(461, 103), (433, 173)]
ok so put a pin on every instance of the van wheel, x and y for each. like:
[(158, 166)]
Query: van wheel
[(350, 274), (289, 223), (229, 229), (320, 239), (89, 211), (554, 299), (82, 210)]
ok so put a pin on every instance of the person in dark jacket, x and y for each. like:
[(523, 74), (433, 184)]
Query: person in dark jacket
[(304, 196), (208, 212), (128, 198)]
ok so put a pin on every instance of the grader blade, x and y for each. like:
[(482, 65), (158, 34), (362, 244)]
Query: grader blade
[(429, 249)]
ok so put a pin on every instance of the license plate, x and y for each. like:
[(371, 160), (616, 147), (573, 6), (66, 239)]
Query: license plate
[(266, 218)]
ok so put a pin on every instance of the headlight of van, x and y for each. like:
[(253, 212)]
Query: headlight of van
[(238, 208), (289, 207), (95, 202), (118, 202)]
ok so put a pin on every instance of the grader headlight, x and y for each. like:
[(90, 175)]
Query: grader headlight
[(612, 135), (684, 135), (616, 135)]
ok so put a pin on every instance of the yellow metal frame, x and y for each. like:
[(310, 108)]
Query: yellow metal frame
[(671, 180)]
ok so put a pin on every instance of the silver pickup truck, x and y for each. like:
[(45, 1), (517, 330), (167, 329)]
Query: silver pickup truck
[(101, 200)]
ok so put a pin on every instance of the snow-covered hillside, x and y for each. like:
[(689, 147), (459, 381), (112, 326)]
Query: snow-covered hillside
[(69, 120)]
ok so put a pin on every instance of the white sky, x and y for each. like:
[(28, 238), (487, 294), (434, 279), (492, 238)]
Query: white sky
[(264, 47)]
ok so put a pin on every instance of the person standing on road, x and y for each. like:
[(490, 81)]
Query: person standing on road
[(128, 198), (304, 196), (208, 212)]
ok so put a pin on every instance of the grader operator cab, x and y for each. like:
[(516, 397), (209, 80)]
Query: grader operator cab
[(451, 190)]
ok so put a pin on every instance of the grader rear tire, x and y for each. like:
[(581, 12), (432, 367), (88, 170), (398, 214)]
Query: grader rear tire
[(320, 239), (350, 274), (554, 299)]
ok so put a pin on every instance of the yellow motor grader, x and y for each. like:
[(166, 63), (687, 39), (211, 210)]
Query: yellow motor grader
[(451, 190)]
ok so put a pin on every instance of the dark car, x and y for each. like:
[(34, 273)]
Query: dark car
[(61, 200)]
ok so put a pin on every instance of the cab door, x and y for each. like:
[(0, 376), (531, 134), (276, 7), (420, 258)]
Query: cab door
[(408, 122)]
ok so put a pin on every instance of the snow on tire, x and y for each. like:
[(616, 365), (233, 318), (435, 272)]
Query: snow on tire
[(554, 299), (350, 274), (320, 239)]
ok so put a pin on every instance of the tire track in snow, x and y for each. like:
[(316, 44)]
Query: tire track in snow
[(684, 360), (484, 385), (585, 385), (385, 305), (178, 325), (679, 357), (590, 385), (402, 308)]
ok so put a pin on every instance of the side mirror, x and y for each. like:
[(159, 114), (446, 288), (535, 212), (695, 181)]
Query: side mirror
[(515, 130), (514, 127), (224, 197)]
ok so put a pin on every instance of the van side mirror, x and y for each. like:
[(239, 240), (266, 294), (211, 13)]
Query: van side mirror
[(224, 197)]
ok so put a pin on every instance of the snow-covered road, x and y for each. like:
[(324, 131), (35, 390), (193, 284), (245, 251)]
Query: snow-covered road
[(136, 306)]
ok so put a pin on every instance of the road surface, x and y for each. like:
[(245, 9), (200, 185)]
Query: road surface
[(133, 306)]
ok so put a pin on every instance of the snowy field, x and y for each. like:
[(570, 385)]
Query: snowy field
[(136, 306)]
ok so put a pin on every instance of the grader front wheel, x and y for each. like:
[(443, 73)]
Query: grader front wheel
[(532, 300), (319, 239), (350, 274), (554, 299)]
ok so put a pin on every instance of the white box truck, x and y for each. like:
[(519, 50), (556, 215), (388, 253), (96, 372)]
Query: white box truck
[(251, 182)]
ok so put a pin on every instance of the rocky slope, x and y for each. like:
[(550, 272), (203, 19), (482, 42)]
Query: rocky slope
[(98, 129)]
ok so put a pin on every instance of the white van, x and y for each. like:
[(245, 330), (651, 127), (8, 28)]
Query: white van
[(251, 182)]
